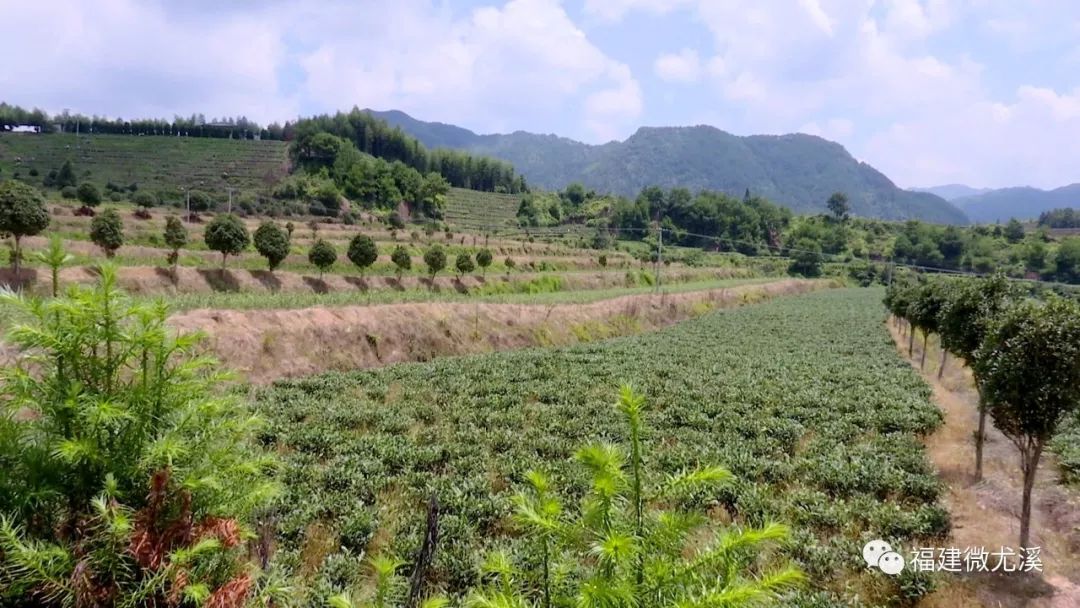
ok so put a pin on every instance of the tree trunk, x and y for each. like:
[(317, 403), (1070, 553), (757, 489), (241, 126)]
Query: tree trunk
[(925, 339), (911, 343), (944, 358), (224, 256), (425, 555), (1029, 462), (17, 257), (980, 437)]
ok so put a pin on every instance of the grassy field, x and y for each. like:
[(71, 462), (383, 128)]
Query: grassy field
[(803, 398), (152, 162)]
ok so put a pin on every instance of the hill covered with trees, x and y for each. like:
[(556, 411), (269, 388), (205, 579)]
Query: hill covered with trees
[(797, 171), (1022, 203)]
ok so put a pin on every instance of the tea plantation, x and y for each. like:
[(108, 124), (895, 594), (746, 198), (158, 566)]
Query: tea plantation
[(803, 398)]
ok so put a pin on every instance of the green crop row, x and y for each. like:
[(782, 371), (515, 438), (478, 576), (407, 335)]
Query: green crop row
[(803, 398)]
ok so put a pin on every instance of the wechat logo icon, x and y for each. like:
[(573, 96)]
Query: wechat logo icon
[(879, 554)]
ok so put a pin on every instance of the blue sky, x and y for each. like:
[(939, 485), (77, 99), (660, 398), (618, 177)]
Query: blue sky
[(984, 92)]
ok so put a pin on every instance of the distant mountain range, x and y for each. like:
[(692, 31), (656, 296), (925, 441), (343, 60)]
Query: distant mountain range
[(985, 205), (798, 171), (951, 192)]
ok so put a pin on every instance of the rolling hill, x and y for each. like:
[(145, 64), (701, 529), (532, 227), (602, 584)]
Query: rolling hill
[(1022, 203), (798, 171), (951, 192)]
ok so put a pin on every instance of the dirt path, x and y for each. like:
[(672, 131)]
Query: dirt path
[(985, 514), (263, 345)]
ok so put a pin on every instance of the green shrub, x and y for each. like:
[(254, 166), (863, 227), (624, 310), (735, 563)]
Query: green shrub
[(131, 481), (107, 231)]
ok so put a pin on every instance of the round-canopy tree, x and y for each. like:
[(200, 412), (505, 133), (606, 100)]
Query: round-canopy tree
[(464, 264), (272, 243), (107, 231), (176, 236), (227, 235), (322, 256), (88, 194), (401, 259), (1029, 367), (362, 252), (806, 258), (22, 213), (483, 259), (965, 320), (925, 309), (435, 259)]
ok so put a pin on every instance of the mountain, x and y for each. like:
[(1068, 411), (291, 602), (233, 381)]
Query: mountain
[(953, 191), (798, 171), (1022, 203)]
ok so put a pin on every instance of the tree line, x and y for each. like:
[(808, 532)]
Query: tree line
[(196, 125), (1060, 218), (375, 137), (1024, 354)]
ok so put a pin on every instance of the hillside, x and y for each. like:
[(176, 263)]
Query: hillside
[(953, 191), (798, 171), (152, 162), (1021, 203)]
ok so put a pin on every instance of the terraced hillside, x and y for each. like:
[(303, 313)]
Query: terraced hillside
[(473, 208), (152, 162)]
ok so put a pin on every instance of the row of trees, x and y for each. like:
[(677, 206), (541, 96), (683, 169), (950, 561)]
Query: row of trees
[(196, 125), (1024, 354), (1060, 218), (375, 137)]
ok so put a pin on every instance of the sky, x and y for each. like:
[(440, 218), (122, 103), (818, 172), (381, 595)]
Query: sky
[(981, 92)]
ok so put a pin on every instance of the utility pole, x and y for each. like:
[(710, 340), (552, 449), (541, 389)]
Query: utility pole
[(230, 198), (659, 254), (187, 199)]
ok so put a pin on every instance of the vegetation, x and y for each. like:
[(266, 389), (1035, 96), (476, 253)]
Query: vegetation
[(435, 259), (464, 264), (272, 243), (175, 237), (120, 487), (1029, 366), (322, 256), (828, 444), (227, 235), (22, 213), (88, 195), (402, 260), (483, 259), (107, 231), (623, 550), (363, 253)]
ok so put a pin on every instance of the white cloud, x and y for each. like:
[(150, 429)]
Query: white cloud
[(614, 10), (684, 66)]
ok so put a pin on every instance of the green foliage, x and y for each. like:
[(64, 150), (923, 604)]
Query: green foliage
[(22, 213), (838, 206), (806, 259), (88, 194), (509, 263), (107, 231), (809, 411), (121, 475), (1014, 231), (65, 178), (602, 260), (227, 235), (176, 236), (322, 255), (362, 252), (69, 192), (464, 264), (144, 200), (483, 259), (55, 257), (272, 243), (402, 260), (435, 259), (395, 221), (966, 316), (626, 549), (1067, 260)]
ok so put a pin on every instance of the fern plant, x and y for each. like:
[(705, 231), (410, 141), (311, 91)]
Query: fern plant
[(388, 588), (631, 545), (124, 479), (55, 257)]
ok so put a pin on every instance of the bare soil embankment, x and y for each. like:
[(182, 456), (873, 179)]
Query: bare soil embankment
[(263, 345), (150, 280)]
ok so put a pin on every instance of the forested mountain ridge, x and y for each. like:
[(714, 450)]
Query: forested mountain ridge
[(1022, 203), (798, 171), (951, 192)]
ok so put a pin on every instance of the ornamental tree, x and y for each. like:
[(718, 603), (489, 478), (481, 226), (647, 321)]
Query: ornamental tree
[(1029, 370), (22, 213), (402, 260), (483, 259), (362, 252), (464, 264), (107, 231), (176, 236), (88, 194), (322, 256), (435, 259), (963, 324), (227, 235), (272, 243)]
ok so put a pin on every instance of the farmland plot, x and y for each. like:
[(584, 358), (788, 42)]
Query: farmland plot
[(803, 398)]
